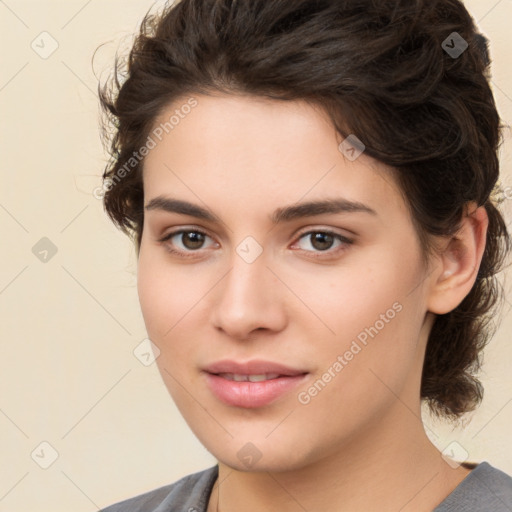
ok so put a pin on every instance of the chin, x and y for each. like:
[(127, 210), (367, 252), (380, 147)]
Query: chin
[(273, 455)]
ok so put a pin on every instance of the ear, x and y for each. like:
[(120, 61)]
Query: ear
[(458, 263)]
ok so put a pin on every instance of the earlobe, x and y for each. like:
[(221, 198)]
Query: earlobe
[(459, 261)]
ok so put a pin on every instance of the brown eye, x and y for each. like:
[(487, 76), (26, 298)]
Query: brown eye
[(184, 241), (192, 239), (321, 241)]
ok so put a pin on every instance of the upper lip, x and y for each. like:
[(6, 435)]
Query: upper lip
[(253, 367)]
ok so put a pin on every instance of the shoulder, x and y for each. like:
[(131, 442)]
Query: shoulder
[(485, 488), (189, 494)]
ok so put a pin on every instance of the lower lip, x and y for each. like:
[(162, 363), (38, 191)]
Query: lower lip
[(251, 394)]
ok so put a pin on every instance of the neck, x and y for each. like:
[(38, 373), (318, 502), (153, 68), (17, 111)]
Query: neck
[(391, 466)]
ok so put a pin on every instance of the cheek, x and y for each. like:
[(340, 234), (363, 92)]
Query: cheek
[(349, 298), (163, 293), (163, 300), (159, 292), (358, 381), (171, 300), (155, 300), (376, 323)]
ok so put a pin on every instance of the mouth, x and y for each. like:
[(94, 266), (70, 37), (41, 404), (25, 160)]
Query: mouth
[(251, 384), (249, 378)]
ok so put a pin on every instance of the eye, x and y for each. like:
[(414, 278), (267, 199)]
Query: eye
[(323, 241), (191, 240), (186, 242)]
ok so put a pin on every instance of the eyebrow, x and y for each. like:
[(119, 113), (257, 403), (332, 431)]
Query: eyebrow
[(285, 214)]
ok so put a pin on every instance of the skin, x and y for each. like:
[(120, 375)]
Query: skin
[(359, 444)]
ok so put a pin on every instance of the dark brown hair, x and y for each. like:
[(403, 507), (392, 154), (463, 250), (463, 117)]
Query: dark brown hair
[(381, 70)]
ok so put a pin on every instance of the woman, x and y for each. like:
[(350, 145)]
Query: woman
[(309, 188)]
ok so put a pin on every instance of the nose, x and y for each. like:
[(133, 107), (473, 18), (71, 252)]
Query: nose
[(249, 298)]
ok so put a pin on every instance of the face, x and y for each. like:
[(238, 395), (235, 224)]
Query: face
[(239, 274)]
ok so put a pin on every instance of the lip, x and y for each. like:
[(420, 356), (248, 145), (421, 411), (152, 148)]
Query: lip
[(251, 394), (253, 367)]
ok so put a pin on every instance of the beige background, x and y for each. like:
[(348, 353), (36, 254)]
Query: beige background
[(68, 374)]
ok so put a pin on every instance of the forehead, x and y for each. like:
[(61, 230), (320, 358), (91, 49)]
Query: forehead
[(251, 150)]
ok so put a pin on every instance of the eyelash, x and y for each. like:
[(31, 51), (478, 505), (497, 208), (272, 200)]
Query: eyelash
[(316, 254)]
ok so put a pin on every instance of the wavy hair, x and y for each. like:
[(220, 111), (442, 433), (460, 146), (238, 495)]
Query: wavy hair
[(381, 69)]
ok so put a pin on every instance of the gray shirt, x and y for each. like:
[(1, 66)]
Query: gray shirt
[(485, 489)]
